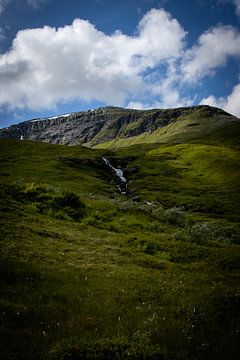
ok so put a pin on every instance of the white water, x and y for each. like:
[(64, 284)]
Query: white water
[(119, 174)]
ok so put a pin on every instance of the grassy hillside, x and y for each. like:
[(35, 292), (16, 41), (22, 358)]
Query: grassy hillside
[(113, 127), (89, 273), (190, 127)]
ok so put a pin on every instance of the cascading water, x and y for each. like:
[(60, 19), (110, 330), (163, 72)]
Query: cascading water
[(122, 181)]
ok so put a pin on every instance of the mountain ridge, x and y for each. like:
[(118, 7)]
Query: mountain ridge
[(118, 125), (93, 270)]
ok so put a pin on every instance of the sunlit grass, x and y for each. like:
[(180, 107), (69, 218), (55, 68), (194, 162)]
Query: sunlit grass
[(150, 275)]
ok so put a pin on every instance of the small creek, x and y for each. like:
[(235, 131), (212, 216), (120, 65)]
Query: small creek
[(121, 180)]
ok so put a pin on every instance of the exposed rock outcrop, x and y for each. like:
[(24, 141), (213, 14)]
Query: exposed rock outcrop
[(101, 125)]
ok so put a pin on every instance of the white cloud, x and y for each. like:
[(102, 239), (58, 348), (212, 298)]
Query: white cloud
[(237, 4), (2, 35), (3, 4), (164, 92), (212, 51), (48, 65), (36, 3), (231, 103), (168, 89), (33, 3), (171, 100), (137, 105)]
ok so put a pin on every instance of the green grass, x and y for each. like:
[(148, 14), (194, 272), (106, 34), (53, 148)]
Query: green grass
[(188, 128), (203, 178), (150, 275)]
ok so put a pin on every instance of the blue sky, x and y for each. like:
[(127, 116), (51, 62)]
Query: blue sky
[(60, 56)]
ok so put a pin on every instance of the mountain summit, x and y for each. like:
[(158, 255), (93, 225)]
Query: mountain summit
[(114, 127)]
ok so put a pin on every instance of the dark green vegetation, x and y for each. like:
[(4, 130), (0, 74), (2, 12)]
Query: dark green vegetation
[(89, 273)]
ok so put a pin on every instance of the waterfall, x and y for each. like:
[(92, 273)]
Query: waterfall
[(122, 181)]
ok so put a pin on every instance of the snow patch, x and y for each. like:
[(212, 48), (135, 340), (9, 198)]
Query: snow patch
[(51, 118)]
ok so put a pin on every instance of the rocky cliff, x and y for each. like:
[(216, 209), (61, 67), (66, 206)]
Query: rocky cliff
[(105, 124)]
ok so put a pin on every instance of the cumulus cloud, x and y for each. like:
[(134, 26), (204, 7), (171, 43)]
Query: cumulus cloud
[(172, 99), (230, 103), (3, 4), (36, 3), (48, 65), (212, 51), (168, 88), (237, 4), (33, 3), (2, 35)]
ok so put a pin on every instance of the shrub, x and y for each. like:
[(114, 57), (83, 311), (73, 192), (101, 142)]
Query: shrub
[(68, 203), (222, 232), (176, 216), (149, 247), (48, 199), (156, 226), (173, 216), (37, 192), (159, 214)]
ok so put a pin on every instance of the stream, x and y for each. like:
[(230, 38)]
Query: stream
[(121, 180)]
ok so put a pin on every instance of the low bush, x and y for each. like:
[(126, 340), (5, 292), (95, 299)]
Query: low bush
[(173, 216), (176, 216), (201, 232), (156, 226), (68, 203), (51, 200), (223, 232), (149, 247)]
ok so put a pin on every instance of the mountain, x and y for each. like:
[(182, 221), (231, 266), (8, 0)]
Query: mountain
[(121, 252), (114, 127)]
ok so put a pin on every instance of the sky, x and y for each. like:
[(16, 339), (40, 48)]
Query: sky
[(61, 56)]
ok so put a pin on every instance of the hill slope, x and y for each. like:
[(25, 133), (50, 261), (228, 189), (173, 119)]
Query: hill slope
[(89, 273), (113, 127)]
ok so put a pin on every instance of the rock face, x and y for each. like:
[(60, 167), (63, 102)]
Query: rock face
[(104, 124)]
